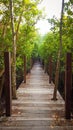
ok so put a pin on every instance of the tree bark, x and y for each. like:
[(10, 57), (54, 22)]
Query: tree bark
[(1, 53), (59, 56), (14, 51), (14, 40), (20, 17)]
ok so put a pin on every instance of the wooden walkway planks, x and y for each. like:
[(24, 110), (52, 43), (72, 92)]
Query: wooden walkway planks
[(34, 109)]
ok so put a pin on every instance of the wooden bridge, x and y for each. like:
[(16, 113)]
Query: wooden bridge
[(34, 109)]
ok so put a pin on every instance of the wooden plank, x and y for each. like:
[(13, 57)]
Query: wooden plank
[(50, 69), (68, 86), (8, 83), (24, 69)]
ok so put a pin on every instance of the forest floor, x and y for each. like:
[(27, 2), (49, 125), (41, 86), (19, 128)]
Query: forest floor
[(34, 109)]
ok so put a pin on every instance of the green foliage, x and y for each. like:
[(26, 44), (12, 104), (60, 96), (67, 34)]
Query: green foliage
[(51, 41), (19, 62), (35, 51), (1, 62), (26, 15), (49, 47), (30, 43)]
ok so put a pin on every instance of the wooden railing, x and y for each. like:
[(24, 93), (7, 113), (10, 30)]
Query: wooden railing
[(68, 83), (8, 91), (68, 86), (6, 80), (5, 76)]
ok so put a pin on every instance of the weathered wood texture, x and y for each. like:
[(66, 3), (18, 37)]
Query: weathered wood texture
[(68, 85), (34, 109), (24, 69), (8, 94), (50, 69)]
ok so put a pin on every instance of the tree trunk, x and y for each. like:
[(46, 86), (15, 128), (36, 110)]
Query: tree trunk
[(14, 40), (59, 56), (14, 51), (2, 53), (56, 77), (18, 25)]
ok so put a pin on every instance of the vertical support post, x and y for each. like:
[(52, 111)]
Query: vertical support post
[(31, 63), (50, 69), (68, 86), (8, 83), (24, 69), (44, 66)]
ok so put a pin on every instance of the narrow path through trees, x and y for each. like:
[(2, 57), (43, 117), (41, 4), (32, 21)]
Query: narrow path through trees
[(34, 109)]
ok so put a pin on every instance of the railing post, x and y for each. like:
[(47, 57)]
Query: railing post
[(68, 86), (24, 69), (8, 83), (50, 69), (30, 64)]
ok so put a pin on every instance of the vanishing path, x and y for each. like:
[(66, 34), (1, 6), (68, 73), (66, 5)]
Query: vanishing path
[(34, 109)]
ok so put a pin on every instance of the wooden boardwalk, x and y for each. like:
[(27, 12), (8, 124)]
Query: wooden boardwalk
[(34, 109)]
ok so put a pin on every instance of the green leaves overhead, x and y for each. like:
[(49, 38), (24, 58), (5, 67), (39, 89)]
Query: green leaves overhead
[(26, 14)]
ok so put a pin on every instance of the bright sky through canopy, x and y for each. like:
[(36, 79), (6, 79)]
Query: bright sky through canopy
[(52, 8)]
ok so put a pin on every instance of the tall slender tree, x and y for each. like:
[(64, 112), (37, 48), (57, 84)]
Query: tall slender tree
[(14, 41), (59, 55), (27, 9), (14, 50)]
